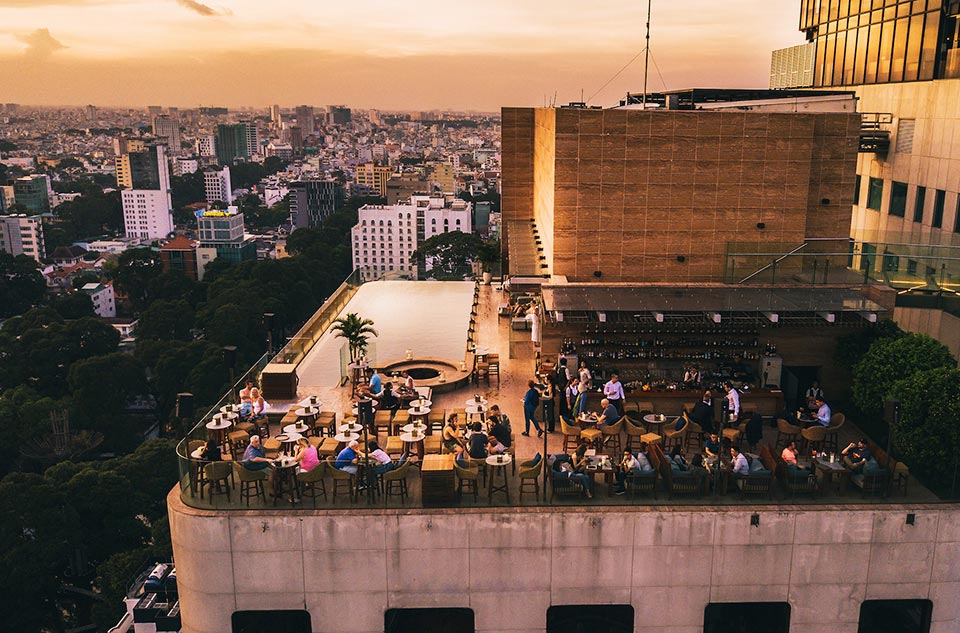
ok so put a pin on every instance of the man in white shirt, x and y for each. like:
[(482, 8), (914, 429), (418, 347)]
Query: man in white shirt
[(613, 391), (740, 464), (733, 401), (586, 378)]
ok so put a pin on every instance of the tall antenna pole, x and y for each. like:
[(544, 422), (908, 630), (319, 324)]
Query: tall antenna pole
[(646, 61)]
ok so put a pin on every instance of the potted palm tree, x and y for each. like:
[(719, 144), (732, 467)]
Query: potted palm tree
[(488, 254), (356, 331)]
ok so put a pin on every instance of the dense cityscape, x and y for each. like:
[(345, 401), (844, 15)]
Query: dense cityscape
[(684, 360)]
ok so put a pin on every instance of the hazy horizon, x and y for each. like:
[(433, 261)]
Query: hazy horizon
[(425, 55)]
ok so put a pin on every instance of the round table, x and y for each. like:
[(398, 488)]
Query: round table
[(288, 441), (230, 408), (307, 412), (345, 438), (356, 410), (310, 401), (586, 418), (297, 428), (655, 419), (226, 416), (473, 401), (475, 409), (408, 428), (420, 415), (497, 464), (219, 425), (350, 428), (286, 480), (413, 443), (423, 402)]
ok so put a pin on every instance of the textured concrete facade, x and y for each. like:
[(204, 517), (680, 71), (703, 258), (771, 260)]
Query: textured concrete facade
[(632, 190), (509, 565)]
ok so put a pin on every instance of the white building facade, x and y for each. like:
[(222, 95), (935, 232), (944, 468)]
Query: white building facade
[(103, 298), (385, 237), (217, 185), (147, 213), (22, 234)]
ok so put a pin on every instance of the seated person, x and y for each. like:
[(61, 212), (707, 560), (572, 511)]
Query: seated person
[(855, 456), (579, 458), (677, 460), (254, 457), (712, 446), (580, 404), (408, 385), (494, 447), (629, 464), (741, 466), (258, 406), (564, 468), (451, 434), (754, 430), (789, 455), (608, 414), (348, 459), (697, 467), (478, 442), (823, 412), (380, 461), (504, 419), (499, 429), (211, 452), (245, 392), (307, 456), (375, 388), (389, 399), (461, 458)]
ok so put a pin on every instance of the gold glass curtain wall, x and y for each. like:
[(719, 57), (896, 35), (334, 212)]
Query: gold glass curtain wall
[(877, 41)]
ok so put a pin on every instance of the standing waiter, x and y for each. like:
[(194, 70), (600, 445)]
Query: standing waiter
[(613, 391)]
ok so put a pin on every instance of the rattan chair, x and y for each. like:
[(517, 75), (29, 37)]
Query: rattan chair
[(218, 475), (395, 483), (467, 477), (610, 435), (571, 435), (672, 436), (813, 438), (634, 433), (694, 436), (786, 433), (341, 478), (530, 474), (831, 442), (313, 480), (252, 482)]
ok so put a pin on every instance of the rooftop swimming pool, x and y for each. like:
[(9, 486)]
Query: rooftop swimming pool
[(429, 318)]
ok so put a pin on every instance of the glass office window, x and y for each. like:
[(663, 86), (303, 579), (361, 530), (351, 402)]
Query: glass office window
[(874, 193), (898, 199), (938, 203), (918, 205)]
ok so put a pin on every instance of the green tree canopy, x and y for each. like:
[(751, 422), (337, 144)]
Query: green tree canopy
[(449, 255), (166, 319), (891, 359), (927, 437), (21, 285)]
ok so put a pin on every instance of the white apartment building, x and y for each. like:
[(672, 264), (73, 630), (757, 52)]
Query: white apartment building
[(386, 235), (206, 145), (103, 298), (217, 185), (183, 166), (22, 234), (147, 213)]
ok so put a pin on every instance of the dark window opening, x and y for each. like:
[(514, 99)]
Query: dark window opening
[(918, 204), (590, 618), (275, 621), (895, 616), (446, 620), (938, 203), (874, 193), (856, 192), (898, 199), (747, 617)]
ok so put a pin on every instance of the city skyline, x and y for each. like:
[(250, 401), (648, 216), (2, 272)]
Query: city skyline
[(236, 53)]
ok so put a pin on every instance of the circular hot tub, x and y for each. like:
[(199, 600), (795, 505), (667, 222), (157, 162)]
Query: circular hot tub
[(436, 373), (423, 373)]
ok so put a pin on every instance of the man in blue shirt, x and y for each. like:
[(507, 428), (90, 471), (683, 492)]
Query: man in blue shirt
[(610, 415), (530, 401), (347, 459), (254, 457), (823, 412)]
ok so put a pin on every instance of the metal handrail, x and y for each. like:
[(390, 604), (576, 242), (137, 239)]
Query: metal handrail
[(773, 263)]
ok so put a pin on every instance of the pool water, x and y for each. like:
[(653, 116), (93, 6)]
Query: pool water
[(429, 318)]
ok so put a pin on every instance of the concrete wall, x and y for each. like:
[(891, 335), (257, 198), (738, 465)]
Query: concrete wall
[(941, 325), (635, 189), (510, 565)]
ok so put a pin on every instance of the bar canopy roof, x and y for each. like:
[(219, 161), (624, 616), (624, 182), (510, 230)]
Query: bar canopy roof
[(626, 298)]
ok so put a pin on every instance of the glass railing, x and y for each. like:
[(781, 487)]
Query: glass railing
[(303, 341)]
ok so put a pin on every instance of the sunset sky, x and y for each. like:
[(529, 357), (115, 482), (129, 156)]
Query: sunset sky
[(418, 54)]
